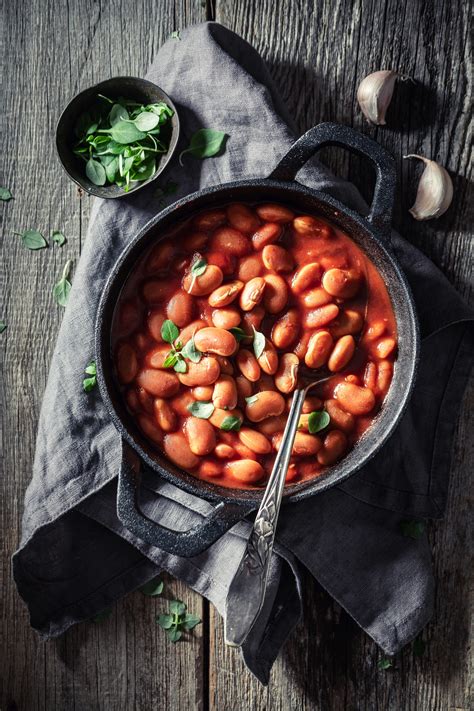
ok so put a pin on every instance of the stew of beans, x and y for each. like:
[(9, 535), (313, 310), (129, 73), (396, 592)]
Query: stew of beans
[(217, 319)]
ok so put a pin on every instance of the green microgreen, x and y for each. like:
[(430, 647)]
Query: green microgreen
[(5, 194), (89, 383), (200, 409), (384, 663), (190, 351), (175, 35), (153, 587), (169, 331), (239, 334), (198, 266), (3, 326), (177, 620), (317, 421), (58, 238), (62, 288), (412, 529), (259, 342), (231, 423), (205, 143), (251, 398), (32, 239), (120, 140)]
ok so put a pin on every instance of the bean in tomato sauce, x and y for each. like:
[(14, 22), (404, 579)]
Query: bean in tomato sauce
[(253, 293)]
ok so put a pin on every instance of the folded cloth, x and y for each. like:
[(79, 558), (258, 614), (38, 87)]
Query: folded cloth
[(75, 557)]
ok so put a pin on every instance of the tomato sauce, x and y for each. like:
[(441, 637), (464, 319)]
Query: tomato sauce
[(221, 316)]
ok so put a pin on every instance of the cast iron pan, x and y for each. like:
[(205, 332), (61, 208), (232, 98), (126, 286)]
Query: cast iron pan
[(371, 233)]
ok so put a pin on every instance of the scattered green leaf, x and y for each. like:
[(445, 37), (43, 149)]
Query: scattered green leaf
[(89, 383), (231, 423), (58, 238), (32, 239), (3, 326), (419, 647), (413, 529), (317, 421), (190, 351), (62, 289), (175, 35), (171, 359), (238, 333), (190, 621), (102, 616), (177, 620), (200, 409), (205, 143), (258, 343), (180, 365), (198, 266), (153, 587), (251, 398), (384, 663), (169, 331), (5, 194)]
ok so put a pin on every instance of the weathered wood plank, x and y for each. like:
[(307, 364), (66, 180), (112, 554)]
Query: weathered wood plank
[(50, 52), (318, 53)]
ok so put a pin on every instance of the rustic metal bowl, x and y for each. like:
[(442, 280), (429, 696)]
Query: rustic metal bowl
[(130, 88)]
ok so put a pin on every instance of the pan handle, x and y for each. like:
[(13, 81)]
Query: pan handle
[(182, 543), (333, 134)]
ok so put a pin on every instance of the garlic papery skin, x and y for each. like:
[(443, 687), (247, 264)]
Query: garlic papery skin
[(375, 94), (435, 191)]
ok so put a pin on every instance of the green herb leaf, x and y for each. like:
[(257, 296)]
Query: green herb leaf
[(190, 621), (125, 132), (102, 616), (190, 351), (206, 142), (174, 634), (165, 621), (251, 398), (169, 331), (238, 333), (177, 607), (180, 366), (89, 384), (170, 360), (95, 172), (62, 289), (258, 343), (32, 239), (231, 424), (419, 647), (175, 35), (3, 326), (199, 266), (118, 113), (317, 421), (5, 195), (153, 588), (146, 121), (413, 529), (58, 238), (384, 664), (200, 409)]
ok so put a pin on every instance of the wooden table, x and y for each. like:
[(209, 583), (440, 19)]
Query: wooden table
[(317, 53)]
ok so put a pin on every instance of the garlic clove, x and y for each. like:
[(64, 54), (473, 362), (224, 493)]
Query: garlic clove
[(435, 191), (375, 94)]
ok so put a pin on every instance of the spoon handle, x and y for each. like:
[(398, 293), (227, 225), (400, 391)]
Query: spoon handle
[(247, 589)]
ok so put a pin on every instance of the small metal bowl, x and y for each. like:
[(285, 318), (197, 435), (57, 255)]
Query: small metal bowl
[(129, 88)]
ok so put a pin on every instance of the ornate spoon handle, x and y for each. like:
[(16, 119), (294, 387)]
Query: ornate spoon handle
[(247, 590)]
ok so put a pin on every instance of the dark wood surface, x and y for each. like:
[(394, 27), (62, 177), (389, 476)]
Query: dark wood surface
[(317, 53)]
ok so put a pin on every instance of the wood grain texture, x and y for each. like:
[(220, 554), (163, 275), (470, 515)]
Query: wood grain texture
[(317, 53)]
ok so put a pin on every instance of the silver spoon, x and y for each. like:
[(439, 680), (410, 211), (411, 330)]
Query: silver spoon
[(247, 589)]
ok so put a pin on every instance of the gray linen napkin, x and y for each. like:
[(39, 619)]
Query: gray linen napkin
[(75, 557)]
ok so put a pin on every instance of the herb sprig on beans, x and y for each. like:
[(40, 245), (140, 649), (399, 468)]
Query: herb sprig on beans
[(121, 140)]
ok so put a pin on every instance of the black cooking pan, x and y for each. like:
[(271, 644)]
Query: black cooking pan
[(371, 234)]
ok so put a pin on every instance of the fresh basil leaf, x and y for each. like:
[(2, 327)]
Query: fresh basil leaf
[(32, 239), (153, 588), (190, 351), (206, 142), (317, 421), (190, 621), (170, 360), (175, 35), (126, 132), (169, 331), (118, 113), (58, 238), (200, 409), (63, 287), (5, 194), (91, 369), (102, 616), (146, 121), (413, 529), (238, 333), (384, 664), (3, 326), (174, 634), (251, 398), (165, 621), (180, 366), (258, 343), (177, 607), (419, 647), (199, 266), (231, 424), (95, 172)]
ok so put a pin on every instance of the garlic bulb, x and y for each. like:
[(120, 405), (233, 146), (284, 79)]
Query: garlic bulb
[(435, 191), (375, 93)]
